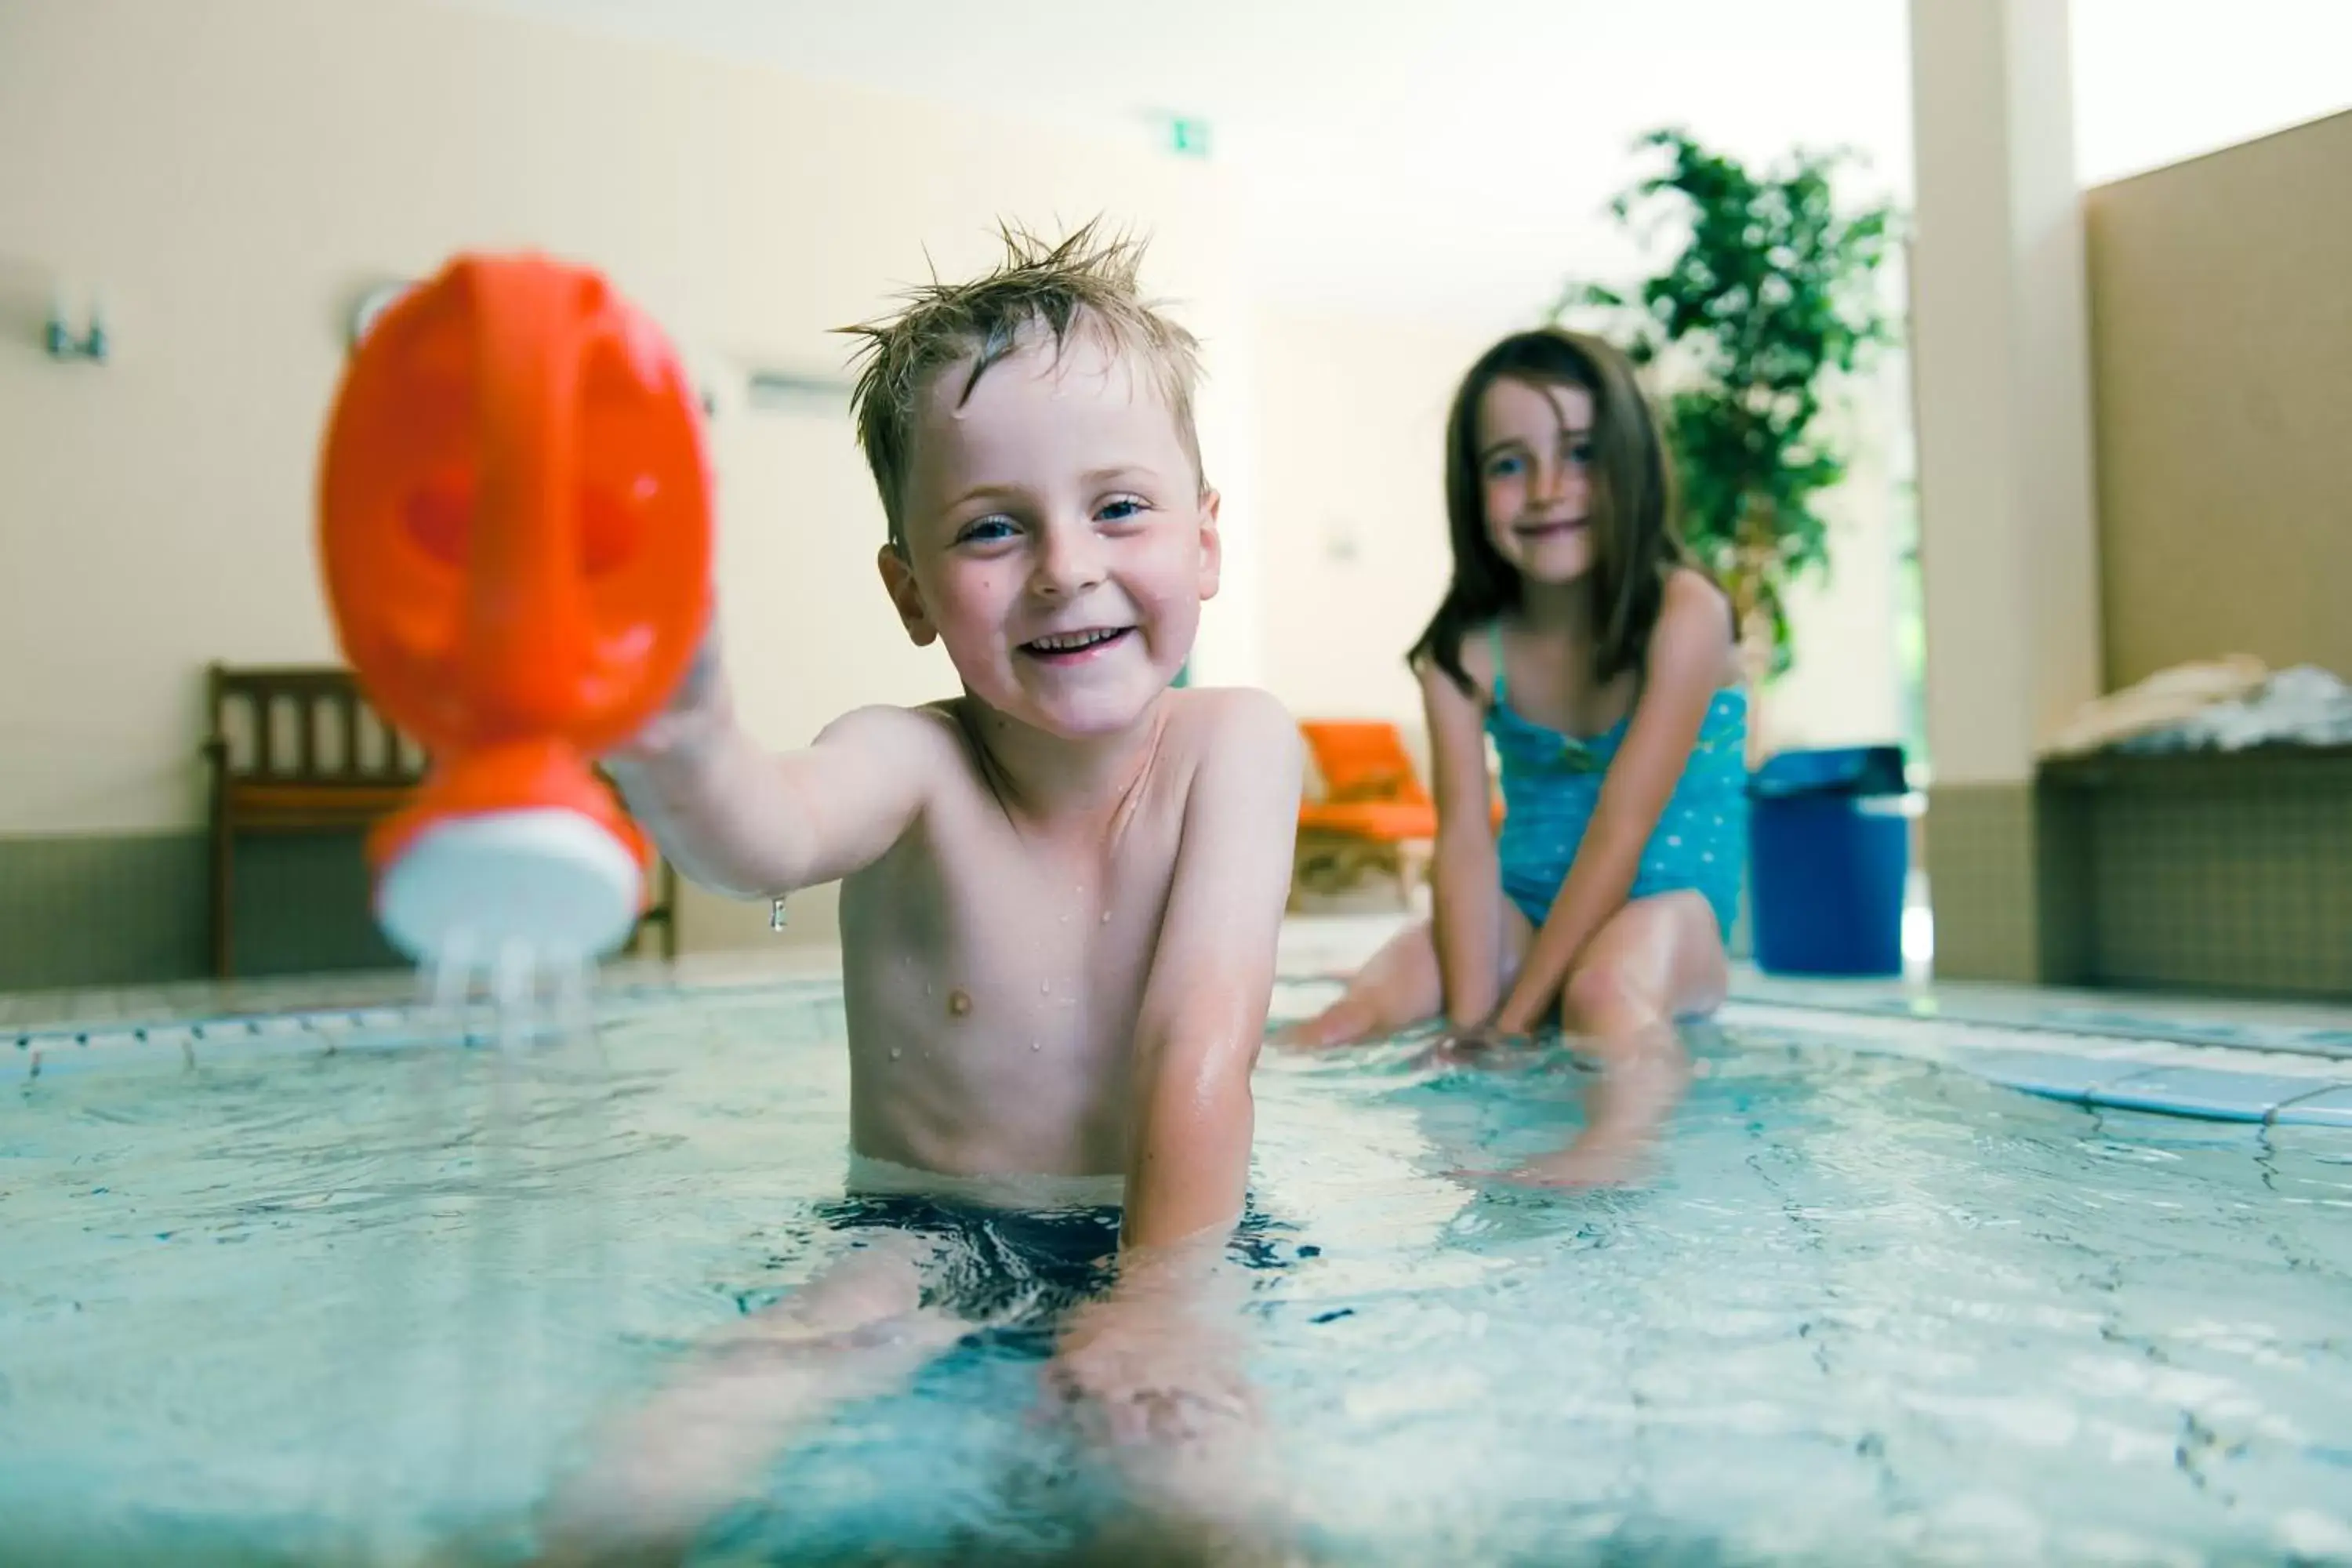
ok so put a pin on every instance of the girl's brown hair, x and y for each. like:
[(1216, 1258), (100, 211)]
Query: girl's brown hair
[(1631, 513)]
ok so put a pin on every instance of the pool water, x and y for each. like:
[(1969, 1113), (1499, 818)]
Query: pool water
[(367, 1304)]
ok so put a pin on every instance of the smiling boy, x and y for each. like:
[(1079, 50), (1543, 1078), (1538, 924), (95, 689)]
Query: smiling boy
[(1060, 890)]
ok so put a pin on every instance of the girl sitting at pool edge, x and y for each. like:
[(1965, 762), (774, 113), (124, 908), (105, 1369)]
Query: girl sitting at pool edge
[(1577, 634)]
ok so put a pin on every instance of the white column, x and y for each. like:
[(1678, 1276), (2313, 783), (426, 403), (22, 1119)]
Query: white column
[(2008, 540), (1999, 331)]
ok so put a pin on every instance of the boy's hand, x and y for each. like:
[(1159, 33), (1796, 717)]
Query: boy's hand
[(1143, 1370), (1159, 1357), (702, 706), (749, 823), (1150, 1375)]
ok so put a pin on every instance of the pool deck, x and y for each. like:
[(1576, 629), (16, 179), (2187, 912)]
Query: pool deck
[(2215, 1059)]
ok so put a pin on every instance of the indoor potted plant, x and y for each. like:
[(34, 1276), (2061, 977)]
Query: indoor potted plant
[(1771, 295)]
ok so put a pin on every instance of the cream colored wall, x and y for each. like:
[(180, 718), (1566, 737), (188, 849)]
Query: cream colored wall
[(2222, 344), (1844, 686), (232, 173), (1351, 471)]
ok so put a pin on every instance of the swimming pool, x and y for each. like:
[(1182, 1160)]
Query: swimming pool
[(318, 1287)]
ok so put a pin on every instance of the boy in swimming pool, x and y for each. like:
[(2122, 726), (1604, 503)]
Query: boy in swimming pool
[(1060, 890)]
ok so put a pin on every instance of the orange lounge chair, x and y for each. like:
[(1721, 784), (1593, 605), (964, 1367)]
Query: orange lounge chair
[(1373, 817)]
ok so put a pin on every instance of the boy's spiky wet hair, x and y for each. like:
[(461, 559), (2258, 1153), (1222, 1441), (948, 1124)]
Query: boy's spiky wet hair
[(1084, 282)]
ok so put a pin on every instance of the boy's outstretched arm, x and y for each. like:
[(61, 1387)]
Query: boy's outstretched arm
[(742, 819), (1205, 1006)]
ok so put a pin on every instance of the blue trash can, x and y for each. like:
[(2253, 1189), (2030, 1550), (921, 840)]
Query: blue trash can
[(1828, 858)]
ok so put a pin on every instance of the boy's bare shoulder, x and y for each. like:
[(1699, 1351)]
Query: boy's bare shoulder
[(1215, 722), (932, 729), (930, 743)]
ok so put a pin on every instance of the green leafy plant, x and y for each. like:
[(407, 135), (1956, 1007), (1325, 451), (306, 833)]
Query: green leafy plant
[(1772, 294)]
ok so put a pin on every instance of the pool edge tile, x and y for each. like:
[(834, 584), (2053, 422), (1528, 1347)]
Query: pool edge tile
[(2204, 1094), (2324, 1108), (2052, 1075)]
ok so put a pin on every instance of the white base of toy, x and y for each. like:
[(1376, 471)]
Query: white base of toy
[(545, 886)]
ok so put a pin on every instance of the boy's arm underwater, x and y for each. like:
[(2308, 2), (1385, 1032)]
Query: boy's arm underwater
[(1689, 653), (1154, 1367), (743, 820), (1205, 1006)]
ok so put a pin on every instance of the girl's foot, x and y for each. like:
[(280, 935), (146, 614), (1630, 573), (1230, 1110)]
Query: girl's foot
[(1585, 1164), (1341, 1024)]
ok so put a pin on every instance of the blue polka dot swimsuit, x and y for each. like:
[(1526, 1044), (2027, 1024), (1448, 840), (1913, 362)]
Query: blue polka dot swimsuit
[(1551, 784)]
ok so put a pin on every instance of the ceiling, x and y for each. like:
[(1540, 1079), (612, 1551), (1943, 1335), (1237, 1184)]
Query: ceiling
[(1452, 160), (1393, 154)]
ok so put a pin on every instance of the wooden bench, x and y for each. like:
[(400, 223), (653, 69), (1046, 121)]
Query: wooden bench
[(297, 749)]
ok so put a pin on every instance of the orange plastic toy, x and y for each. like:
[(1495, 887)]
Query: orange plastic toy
[(514, 514)]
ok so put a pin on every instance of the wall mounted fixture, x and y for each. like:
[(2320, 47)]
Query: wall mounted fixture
[(373, 303), (790, 391), (65, 342)]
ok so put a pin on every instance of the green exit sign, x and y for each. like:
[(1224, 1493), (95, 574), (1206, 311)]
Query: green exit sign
[(1188, 138)]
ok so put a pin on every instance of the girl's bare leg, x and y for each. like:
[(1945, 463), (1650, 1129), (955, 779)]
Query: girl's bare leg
[(1658, 960), (1401, 986)]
